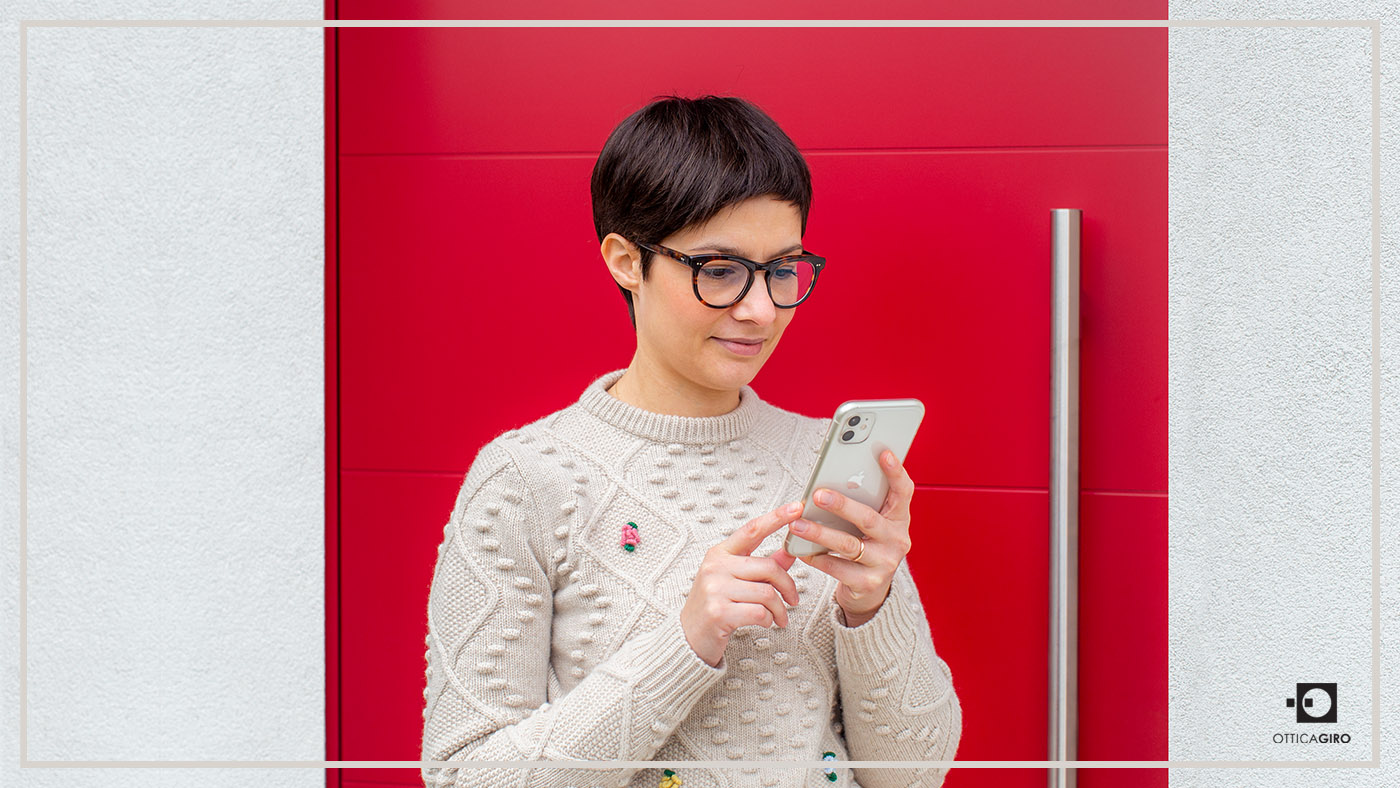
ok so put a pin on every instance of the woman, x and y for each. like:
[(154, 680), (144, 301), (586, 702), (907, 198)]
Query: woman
[(611, 584)]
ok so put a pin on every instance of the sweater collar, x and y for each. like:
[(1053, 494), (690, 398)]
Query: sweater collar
[(666, 428)]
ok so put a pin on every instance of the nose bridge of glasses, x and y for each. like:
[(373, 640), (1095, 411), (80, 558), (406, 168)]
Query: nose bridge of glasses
[(759, 290)]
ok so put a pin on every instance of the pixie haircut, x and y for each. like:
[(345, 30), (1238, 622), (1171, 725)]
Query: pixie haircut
[(678, 162)]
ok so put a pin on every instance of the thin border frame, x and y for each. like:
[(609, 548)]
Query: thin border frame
[(1375, 388)]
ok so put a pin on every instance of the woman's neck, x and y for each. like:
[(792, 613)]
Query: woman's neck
[(670, 394)]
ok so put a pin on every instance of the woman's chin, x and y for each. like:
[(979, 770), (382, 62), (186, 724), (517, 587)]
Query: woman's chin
[(734, 373)]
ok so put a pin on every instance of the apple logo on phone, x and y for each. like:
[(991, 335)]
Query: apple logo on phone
[(855, 481)]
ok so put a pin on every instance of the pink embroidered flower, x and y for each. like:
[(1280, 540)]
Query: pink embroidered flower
[(630, 540)]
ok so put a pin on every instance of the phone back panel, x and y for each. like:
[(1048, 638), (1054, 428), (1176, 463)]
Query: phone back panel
[(849, 461)]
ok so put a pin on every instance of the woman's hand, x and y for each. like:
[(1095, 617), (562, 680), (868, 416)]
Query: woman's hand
[(865, 583), (733, 588)]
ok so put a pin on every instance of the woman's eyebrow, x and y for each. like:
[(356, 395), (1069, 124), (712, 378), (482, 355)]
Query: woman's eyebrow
[(722, 249)]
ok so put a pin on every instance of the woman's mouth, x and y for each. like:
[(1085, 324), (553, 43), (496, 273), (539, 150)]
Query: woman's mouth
[(741, 347)]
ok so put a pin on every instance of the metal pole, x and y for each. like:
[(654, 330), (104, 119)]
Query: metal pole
[(1064, 495)]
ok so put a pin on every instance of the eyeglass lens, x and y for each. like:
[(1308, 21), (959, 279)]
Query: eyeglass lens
[(721, 281)]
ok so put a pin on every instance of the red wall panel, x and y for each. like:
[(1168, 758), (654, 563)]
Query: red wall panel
[(979, 561), (388, 554), (461, 276), (407, 90), (1122, 631), (755, 9)]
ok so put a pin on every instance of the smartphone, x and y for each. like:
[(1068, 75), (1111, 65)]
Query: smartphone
[(849, 461)]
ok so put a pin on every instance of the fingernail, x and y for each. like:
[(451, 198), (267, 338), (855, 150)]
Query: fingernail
[(823, 497), (799, 526), (794, 507)]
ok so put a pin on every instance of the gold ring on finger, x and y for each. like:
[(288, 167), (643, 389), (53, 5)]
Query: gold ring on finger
[(861, 553)]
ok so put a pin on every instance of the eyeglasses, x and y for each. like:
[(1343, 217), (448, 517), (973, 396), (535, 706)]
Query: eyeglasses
[(722, 280)]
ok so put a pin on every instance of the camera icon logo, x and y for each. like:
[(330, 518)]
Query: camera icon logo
[(1315, 702)]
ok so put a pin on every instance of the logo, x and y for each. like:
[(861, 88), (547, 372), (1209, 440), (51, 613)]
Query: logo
[(856, 481), (1315, 702)]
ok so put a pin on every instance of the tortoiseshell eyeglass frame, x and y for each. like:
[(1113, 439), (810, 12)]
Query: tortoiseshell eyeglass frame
[(695, 261)]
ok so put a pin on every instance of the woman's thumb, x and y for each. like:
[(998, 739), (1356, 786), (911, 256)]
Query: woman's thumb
[(783, 557)]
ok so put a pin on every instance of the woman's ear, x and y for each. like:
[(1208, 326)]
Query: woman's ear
[(624, 261)]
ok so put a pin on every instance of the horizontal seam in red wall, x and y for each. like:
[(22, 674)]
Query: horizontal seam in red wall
[(941, 487), (805, 151)]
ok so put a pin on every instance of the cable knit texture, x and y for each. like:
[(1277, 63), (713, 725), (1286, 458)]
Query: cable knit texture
[(547, 639)]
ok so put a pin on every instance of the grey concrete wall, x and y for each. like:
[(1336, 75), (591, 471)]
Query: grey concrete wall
[(175, 394), (1270, 388)]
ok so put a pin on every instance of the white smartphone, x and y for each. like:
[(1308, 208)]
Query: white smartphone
[(849, 461)]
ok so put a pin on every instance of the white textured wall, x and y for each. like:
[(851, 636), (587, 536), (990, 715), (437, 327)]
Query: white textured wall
[(1270, 388), (175, 394)]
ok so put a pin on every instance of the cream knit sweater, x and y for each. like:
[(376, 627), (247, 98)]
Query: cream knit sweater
[(547, 639)]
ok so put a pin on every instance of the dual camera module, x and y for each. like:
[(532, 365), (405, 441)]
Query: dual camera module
[(857, 428)]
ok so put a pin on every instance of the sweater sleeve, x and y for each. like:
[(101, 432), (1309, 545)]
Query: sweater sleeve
[(897, 698), (489, 656)]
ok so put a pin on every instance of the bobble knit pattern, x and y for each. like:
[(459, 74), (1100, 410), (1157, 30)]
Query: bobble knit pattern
[(548, 640)]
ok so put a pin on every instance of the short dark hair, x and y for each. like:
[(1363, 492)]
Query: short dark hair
[(677, 162)]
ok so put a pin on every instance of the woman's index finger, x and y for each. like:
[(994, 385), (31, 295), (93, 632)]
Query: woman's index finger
[(746, 539)]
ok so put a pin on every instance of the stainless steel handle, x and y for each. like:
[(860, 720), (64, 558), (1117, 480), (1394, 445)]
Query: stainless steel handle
[(1064, 494)]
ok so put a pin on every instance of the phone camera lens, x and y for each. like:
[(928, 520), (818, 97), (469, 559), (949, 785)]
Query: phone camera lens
[(853, 421), (847, 435)]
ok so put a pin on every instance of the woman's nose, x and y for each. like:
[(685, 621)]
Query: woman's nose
[(757, 304)]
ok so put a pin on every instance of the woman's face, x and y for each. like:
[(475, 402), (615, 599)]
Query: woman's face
[(683, 339)]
